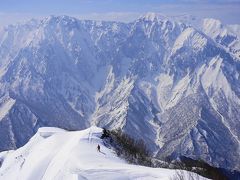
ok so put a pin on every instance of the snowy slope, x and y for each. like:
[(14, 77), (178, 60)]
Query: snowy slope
[(227, 36), (54, 153), (157, 78), (223, 34)]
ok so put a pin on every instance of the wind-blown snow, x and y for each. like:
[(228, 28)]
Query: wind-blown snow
[(57, 154)]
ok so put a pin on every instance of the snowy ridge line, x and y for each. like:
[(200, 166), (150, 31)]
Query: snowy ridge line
[(75, 158)]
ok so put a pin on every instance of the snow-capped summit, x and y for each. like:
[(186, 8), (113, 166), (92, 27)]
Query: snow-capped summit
[(171, 84), (223, 34), (152, 16), (227, 36), (54, 153)]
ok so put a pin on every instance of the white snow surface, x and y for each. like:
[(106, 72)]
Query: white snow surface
[(53, 153)]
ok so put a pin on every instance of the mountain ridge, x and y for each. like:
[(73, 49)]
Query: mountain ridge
[(163, 81), (54, 153)]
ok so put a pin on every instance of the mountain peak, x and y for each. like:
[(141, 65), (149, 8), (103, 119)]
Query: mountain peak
[(151, 16), (210, 22), (52, 19)]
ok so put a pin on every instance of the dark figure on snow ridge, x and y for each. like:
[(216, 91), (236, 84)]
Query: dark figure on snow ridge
[(98, 148)]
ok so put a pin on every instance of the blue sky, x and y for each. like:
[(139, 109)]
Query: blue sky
[(12, 11)]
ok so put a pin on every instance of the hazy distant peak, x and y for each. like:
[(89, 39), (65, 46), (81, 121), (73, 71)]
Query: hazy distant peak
[(151, 16)]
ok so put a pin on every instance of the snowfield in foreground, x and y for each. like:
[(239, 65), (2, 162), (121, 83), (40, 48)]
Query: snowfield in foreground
[(54, 153)]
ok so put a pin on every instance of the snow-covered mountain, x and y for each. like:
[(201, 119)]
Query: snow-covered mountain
[(53, 153), (228, 36), (160, 79)]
